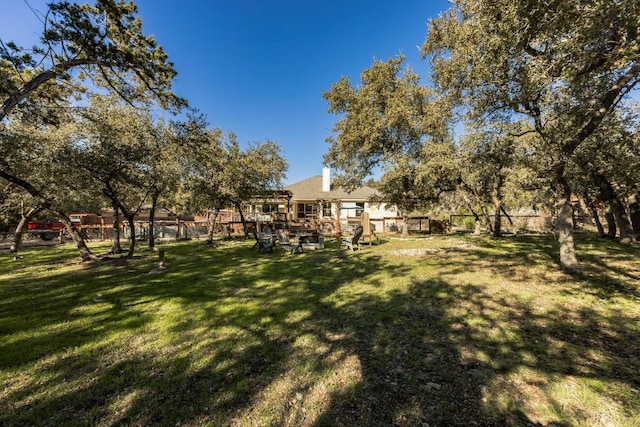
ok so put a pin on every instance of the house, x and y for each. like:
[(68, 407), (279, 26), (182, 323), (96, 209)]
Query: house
[(316, 199)]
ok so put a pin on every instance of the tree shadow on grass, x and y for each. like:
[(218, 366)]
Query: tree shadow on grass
[(535, 258), (40, 314), (229, 337), (75, 357), (430, 365), (603, 274)]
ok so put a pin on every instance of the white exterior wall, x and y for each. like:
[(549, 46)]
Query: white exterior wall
[(375, 211), (380, 211)]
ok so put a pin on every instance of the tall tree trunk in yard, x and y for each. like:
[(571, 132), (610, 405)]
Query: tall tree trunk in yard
[(610, 195), (477, 231), (564, 226), (506, 214), (152, 220), (612, 230), (85, 253), (405, 212), (129, 214), (405, 226), (483, 208), (634, 213), (497, 222), (486, 216), (497, 203), (627, 236), (477, 222), (132, 237), (212, 226), (596, 218), (115, 237), (16, 245), (242, 219), (497, 216)]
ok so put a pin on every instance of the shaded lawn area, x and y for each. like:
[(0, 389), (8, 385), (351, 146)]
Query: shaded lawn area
[(439, 331)]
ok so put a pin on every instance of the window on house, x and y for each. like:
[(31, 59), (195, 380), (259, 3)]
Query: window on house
[(306, 210), (326, 210), (270, 207), (359, 209)]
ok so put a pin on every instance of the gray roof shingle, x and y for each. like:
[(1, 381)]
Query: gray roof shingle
[(311, 189)]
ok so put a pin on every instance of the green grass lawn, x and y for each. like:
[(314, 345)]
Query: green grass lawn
[(437, 331)]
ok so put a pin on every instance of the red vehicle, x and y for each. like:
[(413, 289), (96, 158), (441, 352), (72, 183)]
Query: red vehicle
[(47, 230)]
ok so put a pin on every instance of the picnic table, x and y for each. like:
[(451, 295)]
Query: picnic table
[(310, 239)]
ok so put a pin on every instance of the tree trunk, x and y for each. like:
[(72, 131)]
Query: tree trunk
[(405, 226), (483, 209), (478, 227), (152, 220), (564, 226), (634, 213), (128, 214), (478, 224), (406, 187), (16, 245), (497, 203), (132, 237), (212, 226), (596, 218), (564, 230), (611, 224), (497, 223), (487, 217), (627, 235), (242, 219), (85, 253), (115, 238), (610, 195), (497, 219), (506, 214)]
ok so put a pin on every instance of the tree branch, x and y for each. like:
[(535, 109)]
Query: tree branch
[(46, 203), (15, 98), (518, 135), (625, 82)]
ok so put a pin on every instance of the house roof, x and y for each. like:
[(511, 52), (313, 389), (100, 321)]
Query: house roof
[(311, 189)]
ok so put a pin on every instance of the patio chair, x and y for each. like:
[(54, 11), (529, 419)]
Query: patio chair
[(263, 244), (351, 242), (287, 245), (267, 237)]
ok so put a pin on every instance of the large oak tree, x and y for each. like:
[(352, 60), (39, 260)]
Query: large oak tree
[(82, 46), (385, 121), (220, 173), (563, 64)]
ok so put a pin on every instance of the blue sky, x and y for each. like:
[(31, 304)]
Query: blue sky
[(258, 68)]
